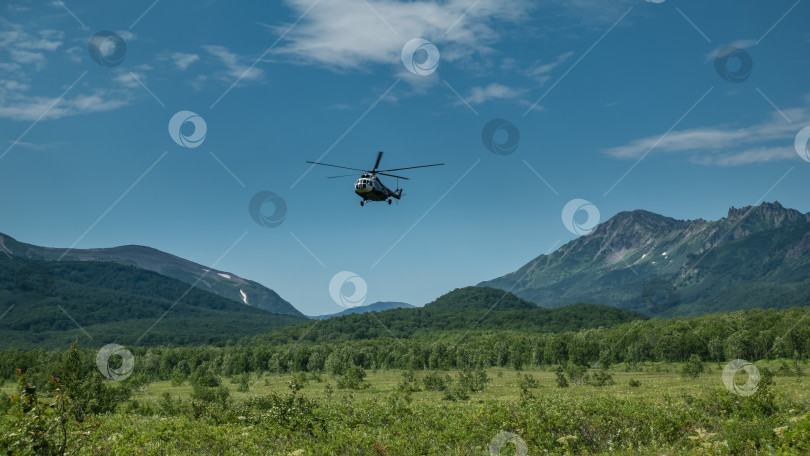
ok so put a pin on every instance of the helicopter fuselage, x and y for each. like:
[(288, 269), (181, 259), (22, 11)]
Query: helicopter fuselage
[(370, 188)]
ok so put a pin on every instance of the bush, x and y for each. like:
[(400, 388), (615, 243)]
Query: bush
[(577, 374), (562, 382), (601, 378), (528, 382), (693, 367), (792, 370), (634, 383), (40, 427), (298, 382), (435, 382), (456, 392), (85, 387), (243, 383), (178, 377), (473, 381), (408, 383), (353, 379)]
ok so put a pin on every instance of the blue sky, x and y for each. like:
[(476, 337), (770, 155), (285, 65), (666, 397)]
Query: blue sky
[(616, 103)]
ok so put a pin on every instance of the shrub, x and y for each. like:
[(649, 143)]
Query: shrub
[(456, 392), (601, 378), (353, 379), (408, 383), (473, 381), (562, 382), (435, 382), (577, 374), (243, 383), (41, 427), (634, 383), (528, 382), (693, 367)]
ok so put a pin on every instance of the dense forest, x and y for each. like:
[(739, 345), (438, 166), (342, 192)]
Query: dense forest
[(47, 302), (752, 335)]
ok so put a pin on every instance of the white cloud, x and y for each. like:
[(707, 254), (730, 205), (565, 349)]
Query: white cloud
[(23, 54), (76, 54), (27, 57), (130, 79), (182, 61), (199, 82), (768, 140), (348, 34), (746, 157), (235, 68), (23, 107), (479, 95), (49, 40), (719, 51), (126, 35), (542, 71)]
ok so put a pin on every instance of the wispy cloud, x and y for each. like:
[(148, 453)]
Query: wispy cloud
[(541, 71), (31, 107), (23, 55), (723, 145), (493, 91), (349, 34), (722, 51), (182, 61), (236, 66)]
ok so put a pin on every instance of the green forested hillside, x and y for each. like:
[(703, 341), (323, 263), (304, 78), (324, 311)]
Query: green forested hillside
[(48, 304), (470, 308), (225, 284)]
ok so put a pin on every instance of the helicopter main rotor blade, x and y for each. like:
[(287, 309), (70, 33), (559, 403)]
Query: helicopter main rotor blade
[(410, 167), (377, 163), (392, 175), (336, 166), (345, 175)]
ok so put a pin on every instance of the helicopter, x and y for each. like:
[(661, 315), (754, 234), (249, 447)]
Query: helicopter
[(369, 186)]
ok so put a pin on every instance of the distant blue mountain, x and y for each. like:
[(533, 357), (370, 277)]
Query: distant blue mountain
[(376, 307)]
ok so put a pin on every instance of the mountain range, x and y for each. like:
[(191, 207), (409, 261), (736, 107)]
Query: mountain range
[(48, 304), (225, 284), (756, 256), (376, 307), (634, 265)]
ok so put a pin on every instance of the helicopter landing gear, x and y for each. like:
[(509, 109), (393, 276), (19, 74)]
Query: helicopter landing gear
[(362, 203), (389, 201)]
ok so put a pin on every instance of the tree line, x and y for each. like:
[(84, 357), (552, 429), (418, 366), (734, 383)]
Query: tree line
[(751, 335)]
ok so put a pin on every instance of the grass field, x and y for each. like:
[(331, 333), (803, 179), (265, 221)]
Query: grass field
[(666, 414), (657, 381)]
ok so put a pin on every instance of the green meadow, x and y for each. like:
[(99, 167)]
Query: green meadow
[(398, 412)]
